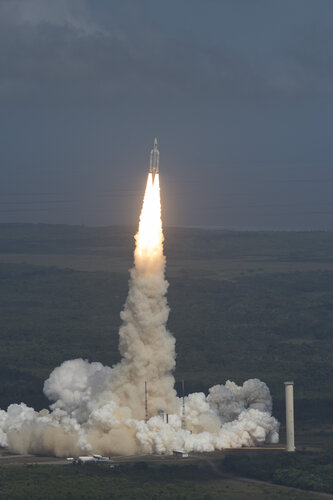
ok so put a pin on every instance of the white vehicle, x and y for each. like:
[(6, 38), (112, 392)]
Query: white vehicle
[(180, 453), (89, 459), (99, 458)]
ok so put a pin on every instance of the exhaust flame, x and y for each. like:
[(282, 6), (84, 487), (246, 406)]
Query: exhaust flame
[(102, 410), (149, 239)]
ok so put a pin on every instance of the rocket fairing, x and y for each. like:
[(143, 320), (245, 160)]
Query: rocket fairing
[(154, 160)]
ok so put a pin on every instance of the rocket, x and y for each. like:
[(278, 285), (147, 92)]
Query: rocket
[(154, 160)]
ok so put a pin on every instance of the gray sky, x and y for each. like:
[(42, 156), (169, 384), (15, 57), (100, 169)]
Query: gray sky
[(238, 92)]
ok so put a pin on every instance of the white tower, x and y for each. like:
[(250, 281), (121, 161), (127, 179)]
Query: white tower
[(290, 432)]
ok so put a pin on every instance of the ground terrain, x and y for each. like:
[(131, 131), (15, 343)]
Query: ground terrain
[(243, 305)]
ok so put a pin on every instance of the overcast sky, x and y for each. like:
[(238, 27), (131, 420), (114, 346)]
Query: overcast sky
[(239, 94)]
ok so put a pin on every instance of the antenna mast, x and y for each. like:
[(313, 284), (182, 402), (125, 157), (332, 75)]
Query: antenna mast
[(146, 403), (183, 407)]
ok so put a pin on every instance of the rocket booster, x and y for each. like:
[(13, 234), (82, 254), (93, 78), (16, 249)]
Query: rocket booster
[(154, 160)]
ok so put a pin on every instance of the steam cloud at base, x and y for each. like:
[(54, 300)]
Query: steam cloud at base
[(101, 409)]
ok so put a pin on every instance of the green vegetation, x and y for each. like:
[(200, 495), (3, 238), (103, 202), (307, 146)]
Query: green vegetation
[(137, 482), (243, 305), (308, 471)]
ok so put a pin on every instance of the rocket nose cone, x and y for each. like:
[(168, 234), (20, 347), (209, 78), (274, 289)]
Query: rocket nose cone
[(155, 143)]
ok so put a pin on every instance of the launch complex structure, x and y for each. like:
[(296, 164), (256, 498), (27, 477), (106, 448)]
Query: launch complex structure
[(162, 413), (154, 165)]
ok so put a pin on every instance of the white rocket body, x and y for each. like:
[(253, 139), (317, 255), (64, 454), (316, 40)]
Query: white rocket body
[(154, 164)]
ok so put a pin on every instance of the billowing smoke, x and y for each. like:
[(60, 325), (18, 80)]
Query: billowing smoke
[(102, 410)]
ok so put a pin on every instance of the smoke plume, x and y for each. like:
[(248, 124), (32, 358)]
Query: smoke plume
[(100, 409)]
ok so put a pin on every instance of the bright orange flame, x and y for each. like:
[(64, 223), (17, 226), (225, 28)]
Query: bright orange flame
[(149, 238)]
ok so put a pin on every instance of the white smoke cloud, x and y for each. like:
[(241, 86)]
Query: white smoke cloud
[(74, 384), (100, 409), (88, 417)]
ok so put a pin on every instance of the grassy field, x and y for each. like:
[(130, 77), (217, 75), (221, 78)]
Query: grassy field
[(198, 253)]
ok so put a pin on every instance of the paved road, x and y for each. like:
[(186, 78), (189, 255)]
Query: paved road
[(11, 459)]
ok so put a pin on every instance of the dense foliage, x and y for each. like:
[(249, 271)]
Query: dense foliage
[(136, 482), (308, 471)]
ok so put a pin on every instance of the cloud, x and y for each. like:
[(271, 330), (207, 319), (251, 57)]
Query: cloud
[(60, 51), (74, 13), (305, 65)]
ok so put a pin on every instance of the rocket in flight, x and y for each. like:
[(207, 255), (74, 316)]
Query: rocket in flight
[(154, 160)]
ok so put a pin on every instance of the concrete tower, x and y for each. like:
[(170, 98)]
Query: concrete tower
[(290, 433)]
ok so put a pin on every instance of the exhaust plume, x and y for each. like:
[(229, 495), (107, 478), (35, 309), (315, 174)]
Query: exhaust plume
[(147, 348), (100, 409)]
